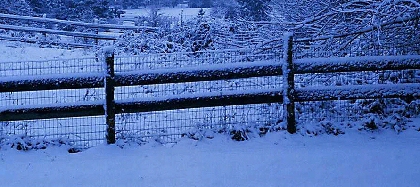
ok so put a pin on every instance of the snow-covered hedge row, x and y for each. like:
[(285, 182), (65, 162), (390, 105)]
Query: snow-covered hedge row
[(25, 143)]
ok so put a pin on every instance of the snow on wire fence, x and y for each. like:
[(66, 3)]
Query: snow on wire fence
[(166, 96), (57, 99)]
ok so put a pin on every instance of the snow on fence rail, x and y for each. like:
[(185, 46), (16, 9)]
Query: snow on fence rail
[(50, 31), (33, 41), (115, 80), (76, 23), (94, 35)]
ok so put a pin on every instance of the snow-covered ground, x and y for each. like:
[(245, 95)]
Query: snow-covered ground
[(16, 51), (354, 159)]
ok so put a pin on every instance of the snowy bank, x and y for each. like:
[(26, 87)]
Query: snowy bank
[(278, 159), (16, 51)]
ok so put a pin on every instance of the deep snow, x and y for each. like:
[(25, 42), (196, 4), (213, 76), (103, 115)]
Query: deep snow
[(16, 51), (279, 159), (380, 158)]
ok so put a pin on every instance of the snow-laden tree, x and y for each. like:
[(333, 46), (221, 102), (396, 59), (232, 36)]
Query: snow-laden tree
[(251, 10), (192, 36), (330, 28), (340, 18), (255, 10), (80, 10), (225, 9), (374, 22), (19, 7)]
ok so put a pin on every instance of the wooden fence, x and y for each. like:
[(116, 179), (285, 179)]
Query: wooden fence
[(287, 93), (45, 31), (75, 23)]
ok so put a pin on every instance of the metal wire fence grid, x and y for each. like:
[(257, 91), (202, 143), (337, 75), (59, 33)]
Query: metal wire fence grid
[(168, 126), (362, 110), (83, 131), (50, 97), (164, 126), (32, 69), (198, 88), (51, 67), (359, 114), (189, 59)]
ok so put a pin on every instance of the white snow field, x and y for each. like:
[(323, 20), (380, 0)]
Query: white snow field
[(279, 159), (16, 51)]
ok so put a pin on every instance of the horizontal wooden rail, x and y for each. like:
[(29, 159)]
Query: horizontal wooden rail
[(211, 73), (97, 108), (358, 92), (208, 100), (204, 73), (51, 82), (29, 40), (201, 73), (287, 94), (211, 100), (88, 25), (52, 111), (355, 64), (50, 31)]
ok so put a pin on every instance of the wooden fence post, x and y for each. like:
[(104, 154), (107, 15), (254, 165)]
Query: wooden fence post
[(109, 97), (96, 21), (289, 84), (45, 36), (96, 39)]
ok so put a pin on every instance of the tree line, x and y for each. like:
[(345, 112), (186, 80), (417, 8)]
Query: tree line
[(77, 10), (87, 10), (393, 22)]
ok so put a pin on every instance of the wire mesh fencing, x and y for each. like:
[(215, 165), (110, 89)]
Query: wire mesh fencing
[(197, 123), (51, 67), (360, 113), (171, 123), (79, 131), (189, 59), (163, 126)]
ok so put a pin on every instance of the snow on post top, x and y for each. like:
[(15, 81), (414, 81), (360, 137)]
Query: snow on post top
[(286, 38), (108, 51), (286, 35)]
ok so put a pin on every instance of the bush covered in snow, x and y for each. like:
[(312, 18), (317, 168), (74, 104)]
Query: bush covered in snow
[(25, 143), (194, 35)]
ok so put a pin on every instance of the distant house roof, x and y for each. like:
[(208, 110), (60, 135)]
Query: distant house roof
[(182, 5)]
